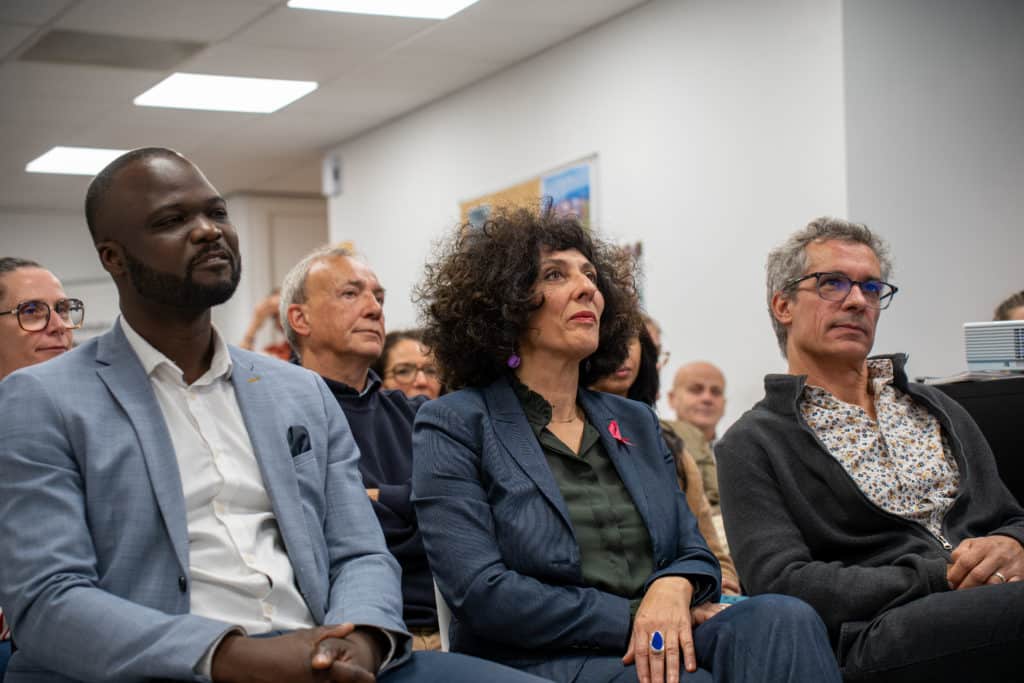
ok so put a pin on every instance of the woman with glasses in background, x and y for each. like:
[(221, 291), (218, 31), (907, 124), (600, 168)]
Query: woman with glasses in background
[(405, 364), (36, 317)]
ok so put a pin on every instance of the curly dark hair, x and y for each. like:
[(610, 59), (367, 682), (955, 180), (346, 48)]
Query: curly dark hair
[(476, 298)]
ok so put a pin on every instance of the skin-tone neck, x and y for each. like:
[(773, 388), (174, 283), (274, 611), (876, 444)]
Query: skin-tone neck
[(185, 337), (348, 369), (554, 378), (845, 378)]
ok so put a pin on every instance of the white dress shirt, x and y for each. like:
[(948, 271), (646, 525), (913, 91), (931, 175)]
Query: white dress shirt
[(240, 572)]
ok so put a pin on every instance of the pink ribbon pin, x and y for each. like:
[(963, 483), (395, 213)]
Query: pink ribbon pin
[(613, 429)]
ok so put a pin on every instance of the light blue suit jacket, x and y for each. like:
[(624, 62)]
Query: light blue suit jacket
[(497, 530), (93, 536)]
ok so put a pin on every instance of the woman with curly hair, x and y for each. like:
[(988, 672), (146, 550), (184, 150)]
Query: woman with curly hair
[(551, 515)]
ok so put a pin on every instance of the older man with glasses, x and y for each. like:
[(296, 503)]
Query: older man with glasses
[(35, 325), (874, 499)]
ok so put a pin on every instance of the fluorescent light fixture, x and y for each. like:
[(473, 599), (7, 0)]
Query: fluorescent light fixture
[(74, 160), (224, 93), (417, 9)]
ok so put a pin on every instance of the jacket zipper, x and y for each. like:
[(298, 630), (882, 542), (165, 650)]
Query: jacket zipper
[(941, 539)]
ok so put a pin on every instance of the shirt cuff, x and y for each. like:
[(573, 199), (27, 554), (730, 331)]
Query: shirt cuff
[(204, 667)]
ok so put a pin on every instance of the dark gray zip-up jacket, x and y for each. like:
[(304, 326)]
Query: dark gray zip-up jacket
[(798, 524)]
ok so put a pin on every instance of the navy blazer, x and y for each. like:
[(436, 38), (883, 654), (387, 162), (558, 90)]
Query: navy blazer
[(498, 535)]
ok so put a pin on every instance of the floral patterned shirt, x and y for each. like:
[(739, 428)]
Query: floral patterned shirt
[(902, 462)]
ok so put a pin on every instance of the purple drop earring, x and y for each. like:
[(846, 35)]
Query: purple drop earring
[(514, 360)]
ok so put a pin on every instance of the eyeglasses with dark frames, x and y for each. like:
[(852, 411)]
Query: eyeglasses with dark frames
[(837, 286), (34, 316), (405, 373)]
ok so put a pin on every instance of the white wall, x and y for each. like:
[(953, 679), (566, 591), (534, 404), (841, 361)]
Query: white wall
[(60, 242), (718, 128), (273, 233), (935, 125)]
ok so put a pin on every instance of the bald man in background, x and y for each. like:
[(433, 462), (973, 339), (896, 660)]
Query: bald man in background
[(698, 398)]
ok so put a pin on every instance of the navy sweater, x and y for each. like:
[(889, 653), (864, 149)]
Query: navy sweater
[(381, 422)]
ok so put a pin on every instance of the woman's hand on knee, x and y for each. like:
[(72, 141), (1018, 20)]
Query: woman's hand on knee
[(665, 609)]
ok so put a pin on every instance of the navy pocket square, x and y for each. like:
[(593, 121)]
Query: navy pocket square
[(298, 440)]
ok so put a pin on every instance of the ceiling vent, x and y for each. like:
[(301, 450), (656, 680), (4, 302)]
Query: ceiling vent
[(99, 49)]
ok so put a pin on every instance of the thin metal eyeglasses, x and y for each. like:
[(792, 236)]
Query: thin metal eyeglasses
[(406, 372), (34, 316), (837, 286)]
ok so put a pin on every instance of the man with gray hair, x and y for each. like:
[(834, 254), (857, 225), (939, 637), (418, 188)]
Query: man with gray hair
[(332, 314), (874, 499)]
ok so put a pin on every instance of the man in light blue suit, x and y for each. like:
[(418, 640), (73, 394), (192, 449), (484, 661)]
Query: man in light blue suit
[(175, 508)]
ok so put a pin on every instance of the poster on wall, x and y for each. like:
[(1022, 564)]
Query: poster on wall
[(567, 188)]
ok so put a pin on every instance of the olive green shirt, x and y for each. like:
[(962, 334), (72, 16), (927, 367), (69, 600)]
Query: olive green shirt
[(615, 546)]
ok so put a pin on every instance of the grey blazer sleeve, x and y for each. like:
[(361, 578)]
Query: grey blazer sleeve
[(60, 615)]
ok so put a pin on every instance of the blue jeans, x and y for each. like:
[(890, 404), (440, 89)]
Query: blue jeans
[(976, 635), (766, 638)]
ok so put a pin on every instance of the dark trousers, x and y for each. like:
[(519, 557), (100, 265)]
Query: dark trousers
[(766, 638), (447, 667), (5, 654), (974, 635)]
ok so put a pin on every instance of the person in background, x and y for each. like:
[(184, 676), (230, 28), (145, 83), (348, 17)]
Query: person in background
[(637, 378), (874, 499), (36, 323), (551, 514), (698, 398), (177, 509), (1012, 308), (332, 311), (407, 365), (264, 311)]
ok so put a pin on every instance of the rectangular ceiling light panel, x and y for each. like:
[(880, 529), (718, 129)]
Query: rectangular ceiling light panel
[(417, 9), (74, 160), (224, 93)]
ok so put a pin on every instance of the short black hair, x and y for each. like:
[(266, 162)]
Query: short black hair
[(9, 264), (101, 184)]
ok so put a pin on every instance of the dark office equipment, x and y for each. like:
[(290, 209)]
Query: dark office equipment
[(998, 408)]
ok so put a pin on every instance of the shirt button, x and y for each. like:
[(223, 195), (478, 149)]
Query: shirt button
[(182, 584), (268, 610)]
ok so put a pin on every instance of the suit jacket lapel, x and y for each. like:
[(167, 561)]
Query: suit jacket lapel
[(515, 434), (625, 457), (127, 381), (268, 434)]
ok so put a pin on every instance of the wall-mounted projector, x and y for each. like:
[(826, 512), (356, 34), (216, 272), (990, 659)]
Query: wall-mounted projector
[(995, 346)]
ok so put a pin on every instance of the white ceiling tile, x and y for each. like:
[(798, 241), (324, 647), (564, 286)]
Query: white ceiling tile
[(74, 83), (581, 13), (199, 20), (13, 35), (312, 30), (237, 59), (32, 12), (501, 41)]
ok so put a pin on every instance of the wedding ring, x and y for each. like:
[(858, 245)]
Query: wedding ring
[(657, 643), (998, 575)]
